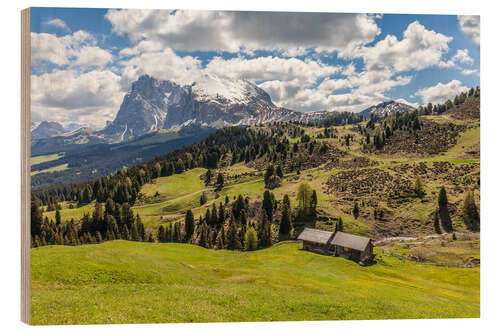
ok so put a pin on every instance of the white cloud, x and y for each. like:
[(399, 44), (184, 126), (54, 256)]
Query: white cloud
[(271, 68), (470, 71), (66, 96), (291, 33), (418, 49), (440, 93), (49, 48), (463, 57), (93, 56), (58, 23), (163, 65), (78, 48), (470, 25)]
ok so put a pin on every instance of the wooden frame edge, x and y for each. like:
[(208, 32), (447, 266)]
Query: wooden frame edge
[(25, 165)]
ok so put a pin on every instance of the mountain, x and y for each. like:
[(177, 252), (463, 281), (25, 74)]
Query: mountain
[(211, 101), (386, 108), (46, 129)]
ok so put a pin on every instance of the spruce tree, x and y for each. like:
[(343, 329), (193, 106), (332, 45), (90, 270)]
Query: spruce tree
[(188, 226), (268, 204), (355, 210), (444, 213), (286, 217), (437, 227), (419, 188), (470, 213), (36, 218)]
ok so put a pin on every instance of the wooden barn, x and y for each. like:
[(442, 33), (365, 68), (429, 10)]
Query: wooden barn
[(340, 244), (352, 247), (316, 240)]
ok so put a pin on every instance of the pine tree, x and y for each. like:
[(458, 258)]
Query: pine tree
[(286, 217), (314, 202), (268, 204), (470, 213), (444, 213), (36, 218), (279, 171), (340, 225), (58, 217), (437, 227), (419, 188), (219, 184), (251, 240), (188, 226), (355, 210)]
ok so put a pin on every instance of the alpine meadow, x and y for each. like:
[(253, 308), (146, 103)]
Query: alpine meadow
[(206, 166)]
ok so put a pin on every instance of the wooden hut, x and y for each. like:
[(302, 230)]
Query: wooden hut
[(316, 240), (352, 247), (340, 244)]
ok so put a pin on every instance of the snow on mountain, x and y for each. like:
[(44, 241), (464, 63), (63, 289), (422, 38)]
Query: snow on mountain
[(211, 101), (386, 108)]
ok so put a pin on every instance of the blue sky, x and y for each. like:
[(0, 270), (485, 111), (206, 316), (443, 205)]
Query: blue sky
[(84, 60)]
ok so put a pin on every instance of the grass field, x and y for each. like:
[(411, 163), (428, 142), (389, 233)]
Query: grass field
[(45, 158), (127, 282), (53, 169)]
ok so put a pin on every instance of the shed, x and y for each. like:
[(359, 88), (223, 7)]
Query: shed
[(316, 240), (352, 247)]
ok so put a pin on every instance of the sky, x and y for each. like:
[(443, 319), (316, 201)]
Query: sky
[(84, 60)]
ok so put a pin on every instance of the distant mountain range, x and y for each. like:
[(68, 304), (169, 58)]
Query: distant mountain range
[(212, 101), (157, 116), (386, 109)]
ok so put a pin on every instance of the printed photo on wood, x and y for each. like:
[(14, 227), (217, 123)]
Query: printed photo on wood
[(184, 166)]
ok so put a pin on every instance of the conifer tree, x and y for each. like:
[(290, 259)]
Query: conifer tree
[(279, 171), (470, 213), (219, 184), (355, 210), (444, 213), (36, 218), (286, 217), (340, 225), (188, 225), (419, 188), (437, 227), (251, 240)]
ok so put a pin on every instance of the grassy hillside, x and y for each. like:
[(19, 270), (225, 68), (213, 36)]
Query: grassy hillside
[(127, 282)]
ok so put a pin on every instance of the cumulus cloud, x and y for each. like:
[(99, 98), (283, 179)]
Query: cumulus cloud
[(58, 23), (440, 93), (470, 71), (470, 25), (66, 96), (163, 65), (463, 57), (291, 33), (93, 56), (271, 68), (418, 49), (78, 48)]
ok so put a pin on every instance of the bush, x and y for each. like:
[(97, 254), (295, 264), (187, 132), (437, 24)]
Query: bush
[(421, 253)]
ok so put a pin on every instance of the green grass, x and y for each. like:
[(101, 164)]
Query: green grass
[(176, 185), (67, 213), (45, 158), (127, 282), (53, 169)]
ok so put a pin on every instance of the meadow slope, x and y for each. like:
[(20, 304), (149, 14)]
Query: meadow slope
[(129, 282)]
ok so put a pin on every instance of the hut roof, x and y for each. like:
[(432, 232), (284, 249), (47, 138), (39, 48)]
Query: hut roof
[(351, 241), (315, 235)]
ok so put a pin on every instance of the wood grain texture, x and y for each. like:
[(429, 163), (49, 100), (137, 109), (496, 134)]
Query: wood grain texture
[(25, 165)]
